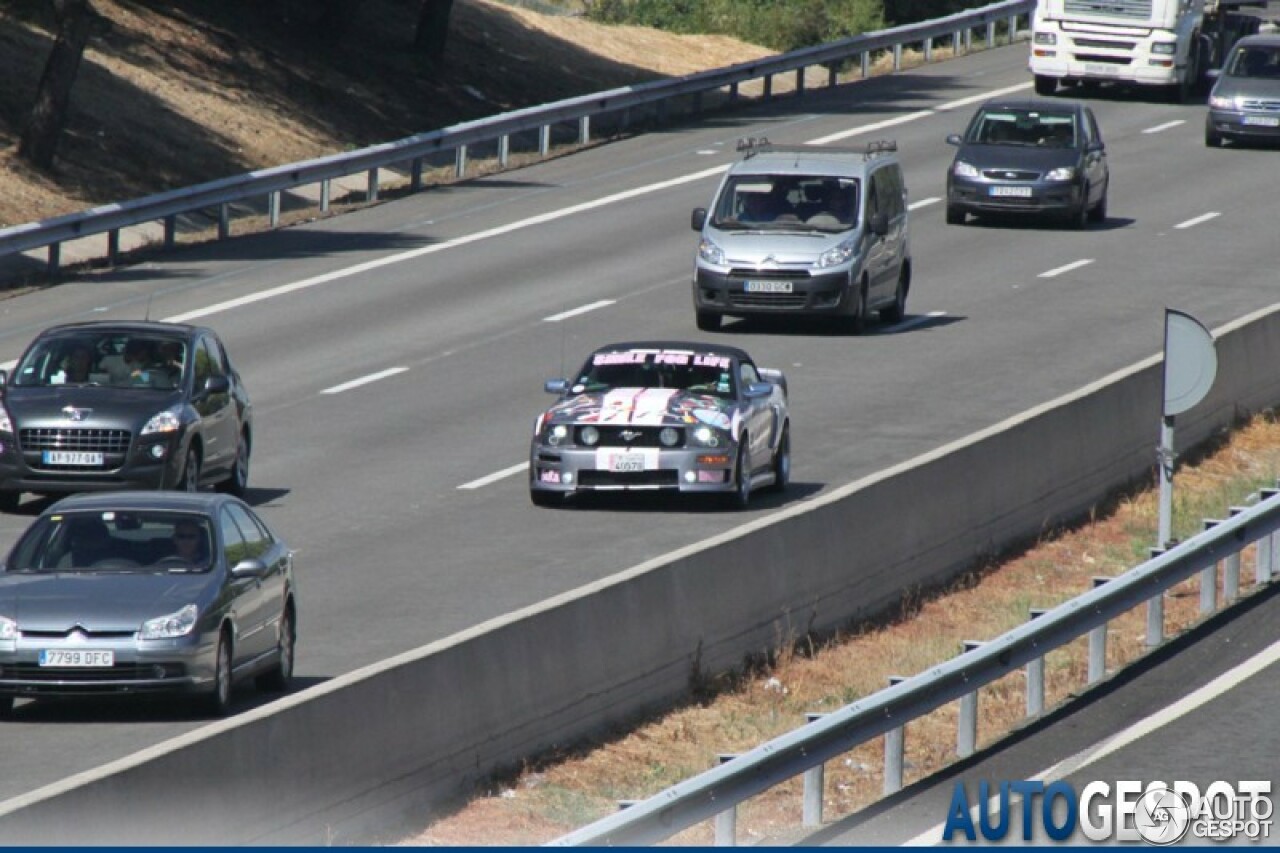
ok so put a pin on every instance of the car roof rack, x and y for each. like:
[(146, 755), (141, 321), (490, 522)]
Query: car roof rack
[(750, 146)]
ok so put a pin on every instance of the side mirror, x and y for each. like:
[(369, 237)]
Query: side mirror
[(217, 385), (250, 567), (1096, 147), (954, 139), (556, 386), (756, 390), (1213, 73), (879, 224), (698, 218)]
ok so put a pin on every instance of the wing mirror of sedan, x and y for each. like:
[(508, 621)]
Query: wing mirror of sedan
[(250, 567), (556, 386), (698, 218), (4, 378), (215, 385), (1213, 73), (757, 390), (1096, 147), (879, 224), (954, 139)]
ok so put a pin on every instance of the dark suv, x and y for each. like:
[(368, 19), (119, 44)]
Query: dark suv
[(94, 406)]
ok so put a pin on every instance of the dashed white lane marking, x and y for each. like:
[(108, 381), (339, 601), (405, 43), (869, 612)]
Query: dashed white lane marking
[(1074, 265), (564, 315), (364, 380), (495, 476), (1191, 223), (924, 202), (1165, 126)]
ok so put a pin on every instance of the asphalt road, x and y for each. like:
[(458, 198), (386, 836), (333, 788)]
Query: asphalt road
[(455, 285)]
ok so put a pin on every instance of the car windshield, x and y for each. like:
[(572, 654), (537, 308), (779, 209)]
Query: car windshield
[(1255, 61), (115, 359), (787, 203), (113, 542), (683, 370), (1039, 128)]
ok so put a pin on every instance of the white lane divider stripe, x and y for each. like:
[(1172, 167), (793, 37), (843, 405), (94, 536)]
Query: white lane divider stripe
[(495, 476), (1074, 265), (924, 202), (1165, 126), (1191, 223), (564, 315), (903, 119), (364, 380)]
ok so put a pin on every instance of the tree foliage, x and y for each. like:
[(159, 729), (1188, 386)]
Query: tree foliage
[(901, 12)]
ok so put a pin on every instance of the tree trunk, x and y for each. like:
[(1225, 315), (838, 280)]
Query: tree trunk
[(433, 28), (39, 141)]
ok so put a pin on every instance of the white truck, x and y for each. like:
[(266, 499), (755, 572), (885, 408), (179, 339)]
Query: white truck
[(1163, 43)]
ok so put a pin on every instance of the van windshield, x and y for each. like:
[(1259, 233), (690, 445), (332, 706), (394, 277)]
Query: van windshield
[(787, 203)]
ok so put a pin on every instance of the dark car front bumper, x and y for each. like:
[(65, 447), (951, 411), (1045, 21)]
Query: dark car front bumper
[(1239, 124), (23, 469), (981, 196)]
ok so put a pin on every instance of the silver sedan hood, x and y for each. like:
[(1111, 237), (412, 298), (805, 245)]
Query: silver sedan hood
[(96, 602)]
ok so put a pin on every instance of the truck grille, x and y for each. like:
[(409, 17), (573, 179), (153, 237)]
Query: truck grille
[(1134, 9), (1103, 44)]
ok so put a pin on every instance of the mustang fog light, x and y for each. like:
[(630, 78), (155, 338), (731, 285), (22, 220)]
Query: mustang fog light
[(567, 477), (690, 476), (712, 476), (589, 435), (669, 436)]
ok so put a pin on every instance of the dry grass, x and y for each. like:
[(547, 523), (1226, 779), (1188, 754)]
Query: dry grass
[(565, 792)]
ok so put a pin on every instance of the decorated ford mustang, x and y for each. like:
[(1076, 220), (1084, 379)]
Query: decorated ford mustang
[(676, 416)]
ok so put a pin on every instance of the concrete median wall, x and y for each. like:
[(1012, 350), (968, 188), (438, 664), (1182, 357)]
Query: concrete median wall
[(384, 749)]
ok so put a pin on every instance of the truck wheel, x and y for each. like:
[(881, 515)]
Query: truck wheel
[(1046, 86)]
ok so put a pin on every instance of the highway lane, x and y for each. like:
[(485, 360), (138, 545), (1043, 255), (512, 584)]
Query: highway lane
[(365, 481)]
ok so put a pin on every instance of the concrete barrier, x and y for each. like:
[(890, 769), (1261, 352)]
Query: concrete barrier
[(382, 750)]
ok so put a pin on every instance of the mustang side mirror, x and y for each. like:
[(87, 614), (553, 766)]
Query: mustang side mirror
[(758, 389), (556, 386), (698, 218)]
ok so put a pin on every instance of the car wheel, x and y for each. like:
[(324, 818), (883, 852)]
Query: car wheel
[(1099, 211), (856, 322), (237, 482), (543, 498), (1046, 86), (707, 321), (1078, 218), (218, 701), (782, 461), (741, 497), (895, 312), (955, 216), (9, 500), (277, 678), (1212, 139), (189, 479)]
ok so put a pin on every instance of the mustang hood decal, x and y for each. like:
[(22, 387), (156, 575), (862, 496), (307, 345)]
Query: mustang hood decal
[(644, 407)]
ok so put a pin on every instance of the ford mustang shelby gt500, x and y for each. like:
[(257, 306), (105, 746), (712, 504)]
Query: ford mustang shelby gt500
[(681, 416)]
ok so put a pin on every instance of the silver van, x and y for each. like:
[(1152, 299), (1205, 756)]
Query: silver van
[(805, 230)]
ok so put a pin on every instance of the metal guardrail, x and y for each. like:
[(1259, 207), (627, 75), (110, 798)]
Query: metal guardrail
[(413, 151), (716, 792)]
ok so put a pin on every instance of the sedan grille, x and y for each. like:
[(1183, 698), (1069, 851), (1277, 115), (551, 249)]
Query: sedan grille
[(89, 440), (591, 479), (773, 274), (1009, 175), (32, 672), (1260, 106)]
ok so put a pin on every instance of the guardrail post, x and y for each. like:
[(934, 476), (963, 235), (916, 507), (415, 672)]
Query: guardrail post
[(504, 150), (1231, 569), (815, 784), (273, 209), (733, 92), (544, 140), (170, 230), (799, 82), (897, 57), (326, 192), (415, 174), (833, 74), (1098, 645), (584, 130), (224, 221), (768, 86), (1209, 578), (1268, 547), (894, 750), (371, 194), (967, 737), (1013, 28), (955, 43), (460, 161), (727, 820), (1155, 612), (928, 50), (968, 40), (991, 33), (113, 246), (54, 260), (1035, 674), (864, 60)]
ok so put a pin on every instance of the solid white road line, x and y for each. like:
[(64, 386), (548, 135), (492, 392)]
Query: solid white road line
[(924, 202), (1165, 126), (894, 122), (564, 315), (364, 380), (495, 476), (1100, 750), (1191, 223), (1074, 265)]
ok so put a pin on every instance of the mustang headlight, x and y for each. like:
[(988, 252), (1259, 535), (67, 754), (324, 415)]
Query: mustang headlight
[(710, 252), (837, 255), (1063, 173), (589, 435), (1219, 102), (961, 169), (557, 434), (669, 436), (166, 421), (177, 624), (8, 628), (6, 425), (707, 436)]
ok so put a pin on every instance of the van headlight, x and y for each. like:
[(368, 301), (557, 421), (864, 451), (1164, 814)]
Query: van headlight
[(710, 252), (1062, 173), (837, 255)]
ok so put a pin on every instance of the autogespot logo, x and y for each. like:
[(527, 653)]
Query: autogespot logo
[(1154, 812)]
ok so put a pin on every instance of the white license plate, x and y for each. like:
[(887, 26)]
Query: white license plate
[(1101, 68), (82, 658), (1262, 121), (71, 457), (1010, 192), (626, 462), (769, 287)]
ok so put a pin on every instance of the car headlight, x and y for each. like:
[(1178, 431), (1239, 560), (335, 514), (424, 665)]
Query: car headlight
[(961, 169), (710, 252), (177, 624), (166, 421), (589, 435), (8, 628), (6, 425), (707, 436), (557, 434), (1063, 173), (837, 255), (1165, 48), (1046, 38), (669, 436), (1220, 102)]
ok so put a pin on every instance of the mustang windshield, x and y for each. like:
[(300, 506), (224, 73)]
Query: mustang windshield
[(114, 542), (681, 370), (113, 359)]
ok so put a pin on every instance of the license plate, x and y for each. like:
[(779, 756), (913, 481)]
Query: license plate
[(80, 658), (1011, 192), (1100, 68), (769, 287), (1262, 121), (71, 457), (626, 462)]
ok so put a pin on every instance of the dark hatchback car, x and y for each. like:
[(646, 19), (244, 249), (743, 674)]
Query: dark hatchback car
[(1245, 100), (102, 406), (1029, 156), (146, 592)]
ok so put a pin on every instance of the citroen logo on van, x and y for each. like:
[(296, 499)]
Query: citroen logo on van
[(71, 413), (769, 261)]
